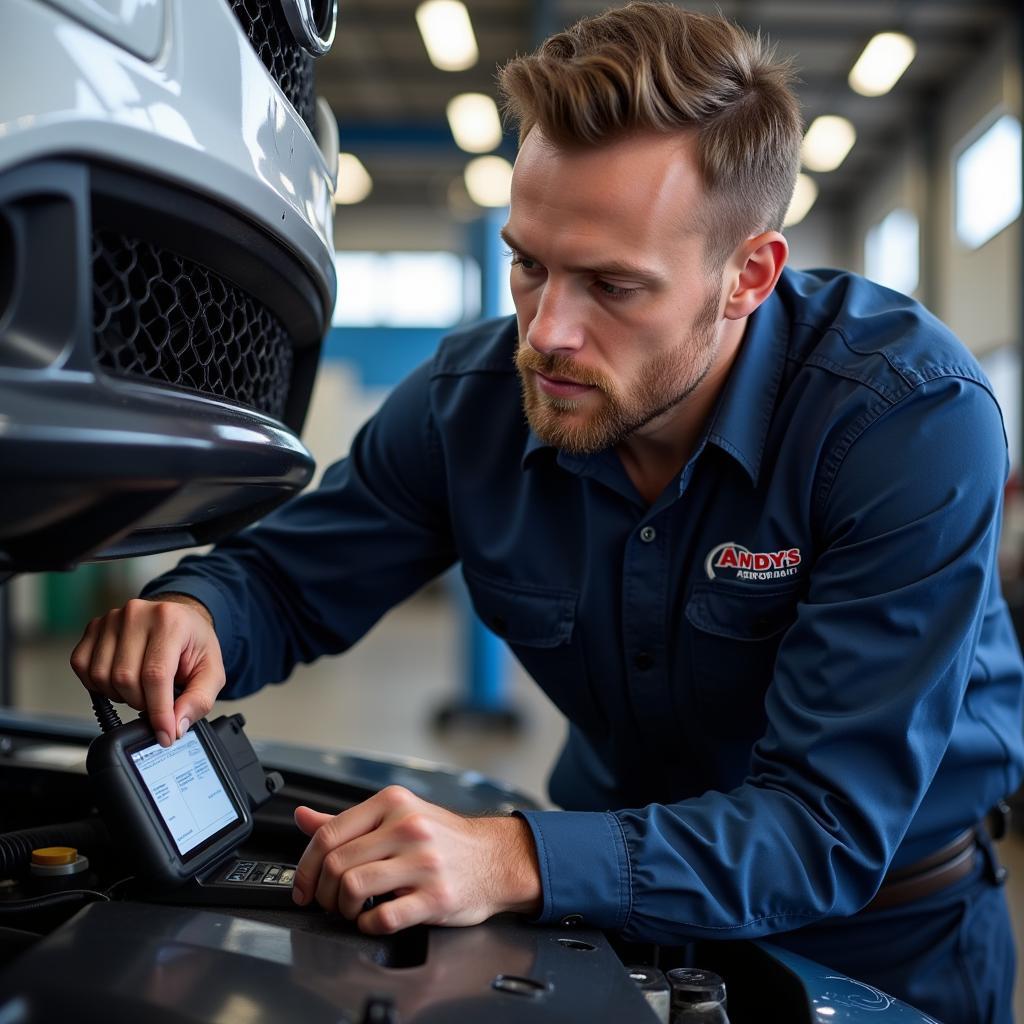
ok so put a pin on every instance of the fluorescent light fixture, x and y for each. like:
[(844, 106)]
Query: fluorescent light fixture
[(400, 289), (447, 34), (882, 63), (988, 183), (475, 123), (489, 180), (804, 195), (827, 142), (892, 252), (354, 181)]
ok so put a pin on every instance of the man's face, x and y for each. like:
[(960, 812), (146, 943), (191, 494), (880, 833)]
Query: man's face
[(618, 316)]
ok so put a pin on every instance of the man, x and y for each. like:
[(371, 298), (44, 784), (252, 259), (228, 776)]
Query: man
[(745, 540)]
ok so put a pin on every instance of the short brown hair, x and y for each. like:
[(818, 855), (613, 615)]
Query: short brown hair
[(653, 66)]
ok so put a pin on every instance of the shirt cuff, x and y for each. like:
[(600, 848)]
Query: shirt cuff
[(584, 868), (207, 594)]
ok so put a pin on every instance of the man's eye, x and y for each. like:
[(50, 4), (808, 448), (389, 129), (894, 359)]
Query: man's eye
[(518, 260), (614, 291)]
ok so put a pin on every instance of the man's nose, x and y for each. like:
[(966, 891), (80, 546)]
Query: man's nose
[(556, 325)]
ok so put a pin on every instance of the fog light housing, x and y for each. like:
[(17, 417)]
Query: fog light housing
[(312, 23)]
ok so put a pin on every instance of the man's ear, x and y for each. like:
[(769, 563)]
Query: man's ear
[(753, 272)]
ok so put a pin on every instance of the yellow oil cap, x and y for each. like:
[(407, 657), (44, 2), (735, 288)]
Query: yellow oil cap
[(54, 856)]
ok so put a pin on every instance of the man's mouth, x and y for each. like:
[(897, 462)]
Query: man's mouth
[(561, 387)]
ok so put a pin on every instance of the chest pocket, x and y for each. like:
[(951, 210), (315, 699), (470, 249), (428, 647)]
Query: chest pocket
[(539, 625), (737, 629)]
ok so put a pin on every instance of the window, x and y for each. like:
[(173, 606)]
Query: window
[(404, 289), (1002, 366), (988, 183), (892, 252)]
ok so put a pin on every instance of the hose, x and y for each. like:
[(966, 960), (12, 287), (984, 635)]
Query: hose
[(16, 847)]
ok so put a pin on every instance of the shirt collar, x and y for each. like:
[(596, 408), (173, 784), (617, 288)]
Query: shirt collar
[(743, 412)]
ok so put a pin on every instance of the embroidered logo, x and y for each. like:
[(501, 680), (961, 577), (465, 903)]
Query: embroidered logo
[(733, 561)]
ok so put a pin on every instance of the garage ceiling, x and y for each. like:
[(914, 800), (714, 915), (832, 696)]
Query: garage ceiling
[(390, 100)]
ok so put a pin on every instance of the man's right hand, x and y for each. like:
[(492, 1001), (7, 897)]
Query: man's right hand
[(137, 654)]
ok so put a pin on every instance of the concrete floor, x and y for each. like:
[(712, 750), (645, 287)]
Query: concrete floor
[(380, 698)]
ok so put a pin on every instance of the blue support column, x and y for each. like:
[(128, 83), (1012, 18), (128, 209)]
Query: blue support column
[(484, 699)]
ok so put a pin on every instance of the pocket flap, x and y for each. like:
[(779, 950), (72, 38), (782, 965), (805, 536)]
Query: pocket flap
[(750, 613), (522, 613)]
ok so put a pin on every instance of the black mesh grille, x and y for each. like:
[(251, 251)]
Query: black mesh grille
[(291, 67), (163, 317)]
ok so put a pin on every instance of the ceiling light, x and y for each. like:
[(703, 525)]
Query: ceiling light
[(354, 181), (447, 34), (804, 194), (489, 180), (827, 142), (475, 122), (883, 61)]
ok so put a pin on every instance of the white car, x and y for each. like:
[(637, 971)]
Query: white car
[(166, 268)]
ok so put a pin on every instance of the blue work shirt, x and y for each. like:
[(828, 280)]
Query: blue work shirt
[(790, 672)]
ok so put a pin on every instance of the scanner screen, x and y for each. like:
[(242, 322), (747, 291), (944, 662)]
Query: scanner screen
[(186, 789)]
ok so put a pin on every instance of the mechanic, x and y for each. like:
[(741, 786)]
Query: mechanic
[(744, 537)]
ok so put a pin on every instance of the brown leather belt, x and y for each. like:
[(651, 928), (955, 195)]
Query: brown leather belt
[(930, 874)]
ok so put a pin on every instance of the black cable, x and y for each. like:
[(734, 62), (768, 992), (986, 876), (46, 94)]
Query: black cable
[(52, 899), (105, 713)]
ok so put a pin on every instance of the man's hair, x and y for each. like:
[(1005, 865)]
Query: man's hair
[(654, 67)]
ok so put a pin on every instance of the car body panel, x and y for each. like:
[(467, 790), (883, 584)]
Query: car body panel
[(138, 26), (93, 99)]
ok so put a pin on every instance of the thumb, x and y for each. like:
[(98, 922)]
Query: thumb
[(309, 820), (196, 700)]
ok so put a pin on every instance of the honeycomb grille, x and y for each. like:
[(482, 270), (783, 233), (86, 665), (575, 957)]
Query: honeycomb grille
[(162, 317), (291, 67)]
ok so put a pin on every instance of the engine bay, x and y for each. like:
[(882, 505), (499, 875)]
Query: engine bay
[(104, 946)]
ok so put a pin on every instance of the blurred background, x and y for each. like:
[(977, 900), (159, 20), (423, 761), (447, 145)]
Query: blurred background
[(912, 176)]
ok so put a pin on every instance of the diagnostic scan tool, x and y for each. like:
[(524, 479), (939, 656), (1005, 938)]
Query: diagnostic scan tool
[(183, 811)]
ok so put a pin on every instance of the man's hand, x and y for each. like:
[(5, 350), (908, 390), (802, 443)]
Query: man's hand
[(136, 655), (443, 868)]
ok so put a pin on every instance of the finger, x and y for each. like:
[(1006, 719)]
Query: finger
[(309, 820), (128, 661), (102, 660), (394, 915), (338, 830), (159, 667), (339, 882), (203, 684), (367, 880), (81, 656)]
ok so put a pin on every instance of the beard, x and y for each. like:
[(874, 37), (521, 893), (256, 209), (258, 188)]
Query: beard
[(663, 382)]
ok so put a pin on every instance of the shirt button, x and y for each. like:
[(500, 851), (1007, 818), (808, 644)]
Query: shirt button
[(643, 661), (648, 533), (571, 921)]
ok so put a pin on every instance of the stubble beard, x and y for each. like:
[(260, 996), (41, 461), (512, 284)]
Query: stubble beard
[(663, 383)]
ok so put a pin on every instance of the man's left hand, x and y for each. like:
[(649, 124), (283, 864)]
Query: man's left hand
[(442, 868)]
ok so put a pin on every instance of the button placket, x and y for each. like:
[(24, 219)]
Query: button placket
[(644, 581)]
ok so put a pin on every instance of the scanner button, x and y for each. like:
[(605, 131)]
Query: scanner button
[(241, 871)]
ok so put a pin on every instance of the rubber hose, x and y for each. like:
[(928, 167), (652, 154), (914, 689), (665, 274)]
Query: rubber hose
[(16, 847)]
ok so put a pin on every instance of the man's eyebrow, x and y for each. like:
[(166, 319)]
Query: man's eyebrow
[(611, 268)]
